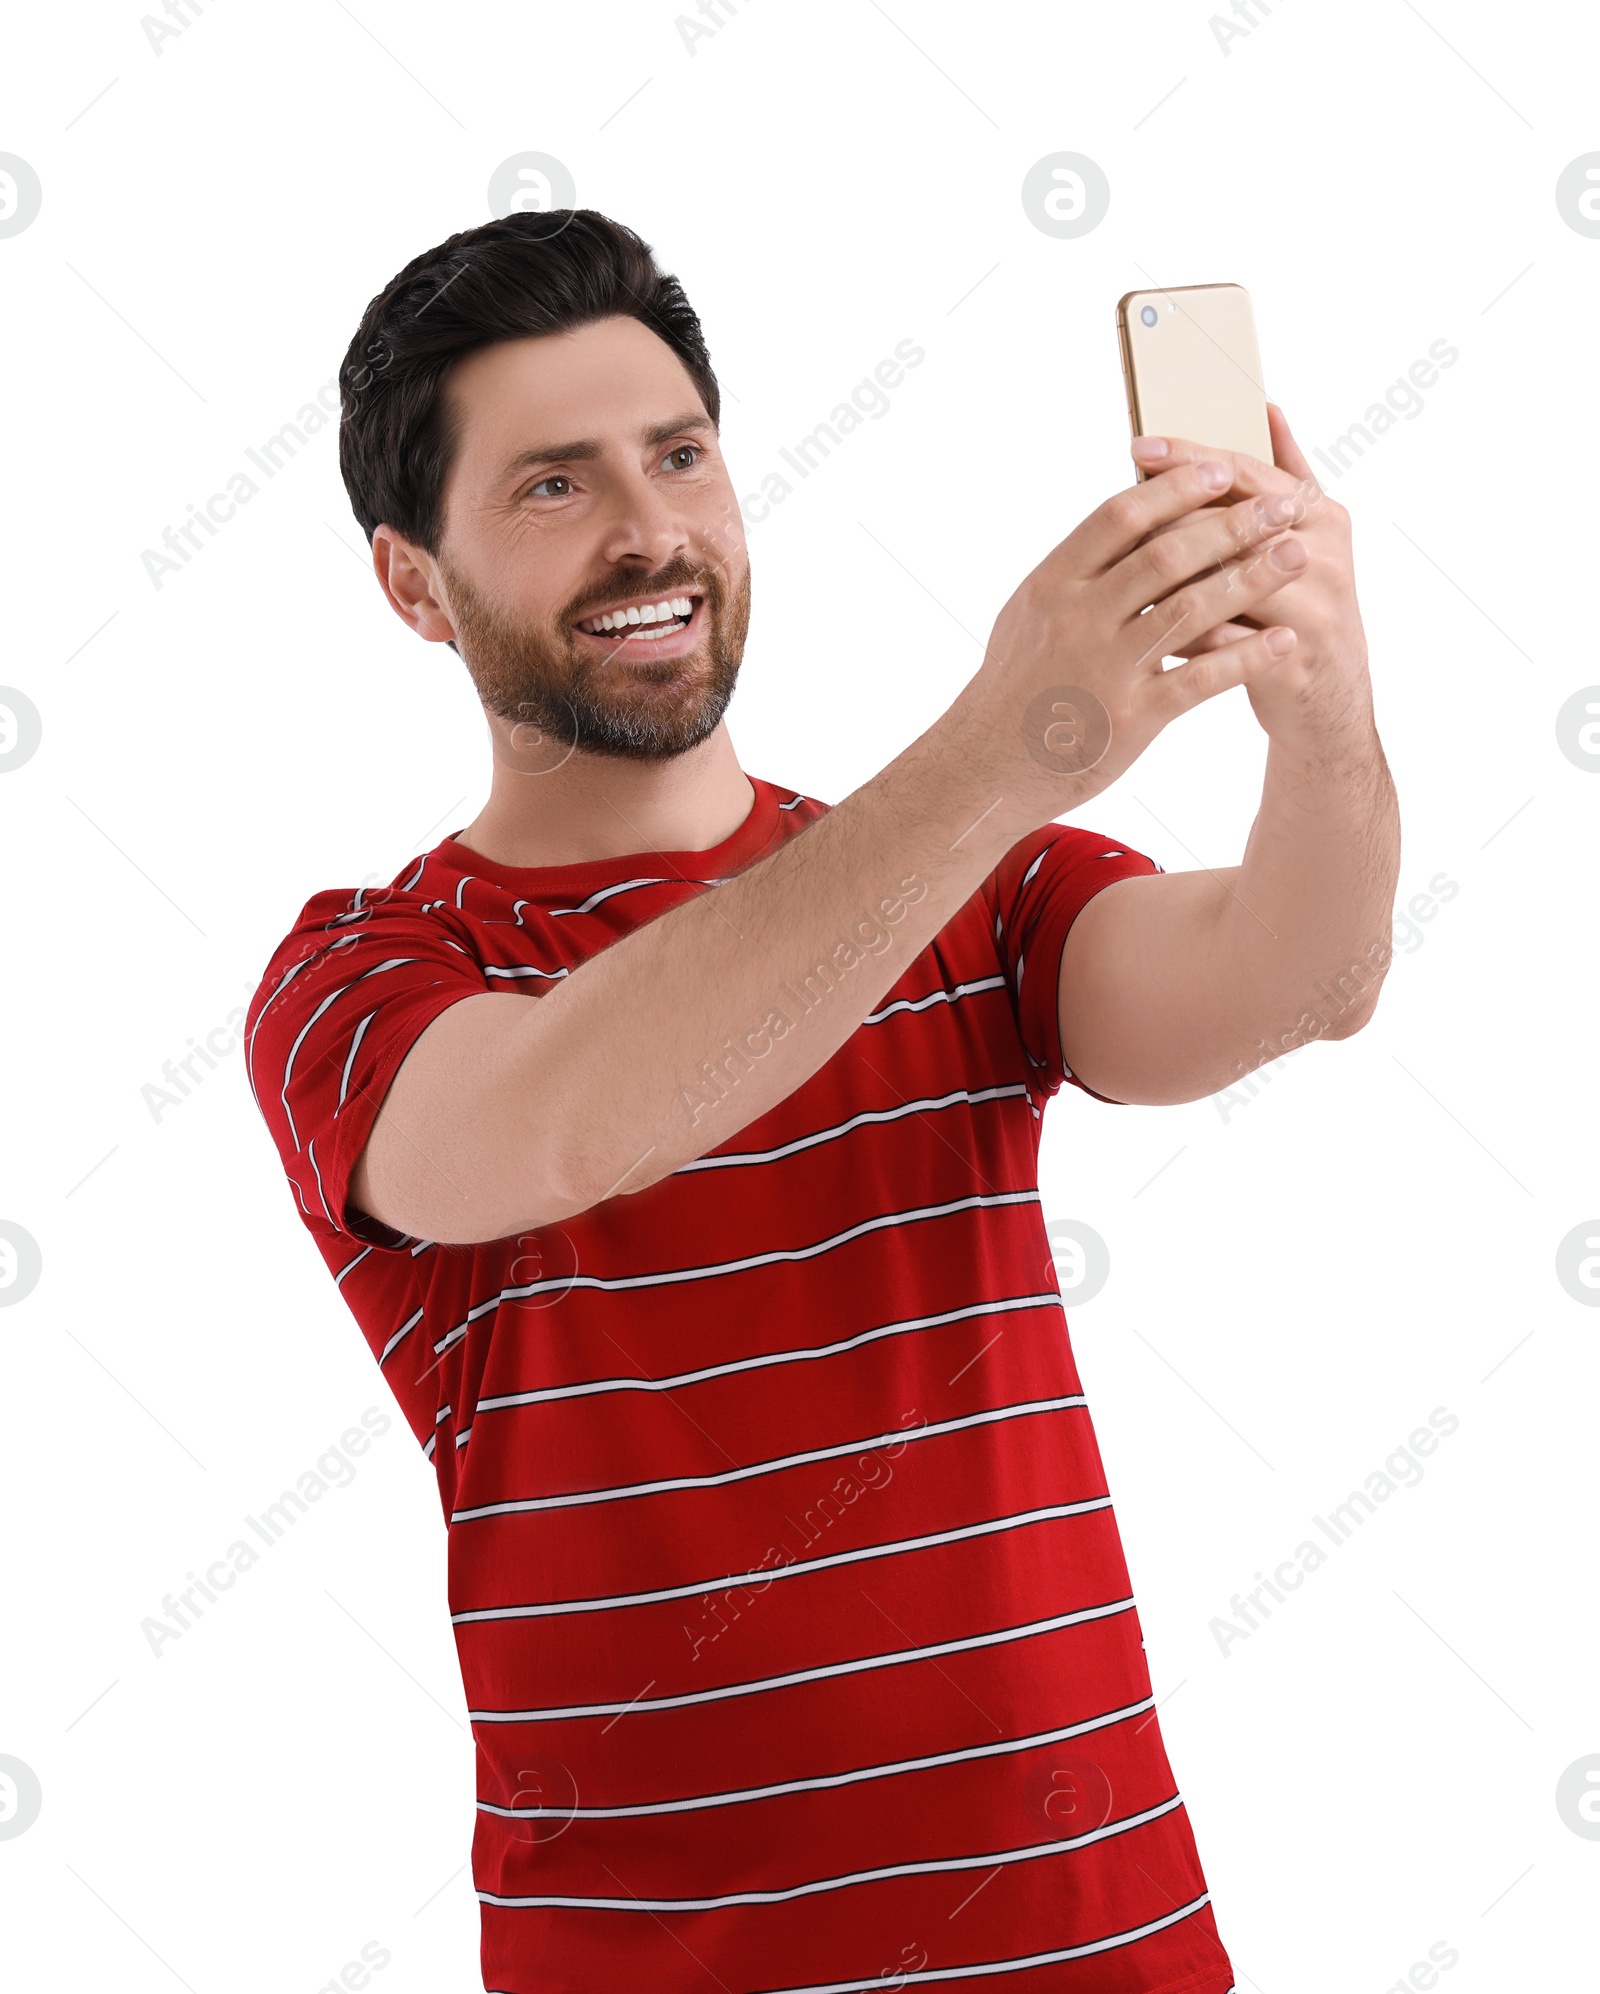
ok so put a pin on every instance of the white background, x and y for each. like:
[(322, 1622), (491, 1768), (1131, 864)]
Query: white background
[(1371, 1771)]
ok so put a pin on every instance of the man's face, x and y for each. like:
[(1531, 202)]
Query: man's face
[(588, 482)]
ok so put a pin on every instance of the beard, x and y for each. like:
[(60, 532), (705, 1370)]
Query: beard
[(536, 674)]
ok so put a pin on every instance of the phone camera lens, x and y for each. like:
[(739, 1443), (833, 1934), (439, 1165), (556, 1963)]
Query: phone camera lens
[(1149, 314)]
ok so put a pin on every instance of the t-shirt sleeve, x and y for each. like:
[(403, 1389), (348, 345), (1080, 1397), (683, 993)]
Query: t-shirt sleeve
[(1038, 891), (347, 994)]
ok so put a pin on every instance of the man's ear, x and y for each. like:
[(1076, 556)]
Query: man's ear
[(403, 577)]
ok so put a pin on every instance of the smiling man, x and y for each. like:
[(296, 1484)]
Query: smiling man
[(673, 1138)]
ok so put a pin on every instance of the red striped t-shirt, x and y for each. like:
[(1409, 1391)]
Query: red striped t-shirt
[(792, 1615)]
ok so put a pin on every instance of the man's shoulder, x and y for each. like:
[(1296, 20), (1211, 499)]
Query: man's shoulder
[(450, 901), (343, 925)]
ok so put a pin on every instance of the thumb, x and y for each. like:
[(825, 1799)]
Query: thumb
[(1286, 453)]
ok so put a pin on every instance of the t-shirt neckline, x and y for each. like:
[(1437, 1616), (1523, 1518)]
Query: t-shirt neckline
[(742, 847)]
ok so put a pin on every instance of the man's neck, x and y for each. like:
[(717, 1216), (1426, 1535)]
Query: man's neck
[(604, 807)]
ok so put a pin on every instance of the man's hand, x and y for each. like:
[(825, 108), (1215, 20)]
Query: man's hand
[(1317, 701), (1072, 689)]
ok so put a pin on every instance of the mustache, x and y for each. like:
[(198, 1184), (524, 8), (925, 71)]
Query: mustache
[(677, 575)]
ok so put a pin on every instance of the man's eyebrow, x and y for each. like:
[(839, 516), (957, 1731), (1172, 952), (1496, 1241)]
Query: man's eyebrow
[(575, 453)]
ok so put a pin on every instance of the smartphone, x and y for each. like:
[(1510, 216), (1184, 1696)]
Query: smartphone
[(1192, 367)]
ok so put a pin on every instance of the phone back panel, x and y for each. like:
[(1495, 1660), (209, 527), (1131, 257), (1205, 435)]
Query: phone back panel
[(1197, 371)]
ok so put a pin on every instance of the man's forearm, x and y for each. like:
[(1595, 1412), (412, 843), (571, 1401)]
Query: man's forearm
[(1304, 929), (715, 1012), (753, 986)]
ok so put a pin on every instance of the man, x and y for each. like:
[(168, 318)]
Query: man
[(673, 1139)]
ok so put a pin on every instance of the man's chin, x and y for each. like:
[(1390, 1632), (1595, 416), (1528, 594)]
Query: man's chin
[(648, 709), (654, 727)]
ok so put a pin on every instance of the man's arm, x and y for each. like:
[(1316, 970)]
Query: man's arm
[(510, 1113), (1174, 985)]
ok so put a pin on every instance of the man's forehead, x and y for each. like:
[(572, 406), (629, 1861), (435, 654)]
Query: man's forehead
[(525, 402)]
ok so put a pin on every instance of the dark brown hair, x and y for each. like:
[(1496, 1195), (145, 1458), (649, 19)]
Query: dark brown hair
[(529, 273)]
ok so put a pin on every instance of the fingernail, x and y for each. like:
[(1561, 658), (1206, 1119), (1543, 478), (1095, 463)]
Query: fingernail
[(1150, 447), (1213, 475), (1287, 554), (1280, 642)]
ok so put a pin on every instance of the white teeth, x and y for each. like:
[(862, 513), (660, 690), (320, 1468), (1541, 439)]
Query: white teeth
[(659, 612)]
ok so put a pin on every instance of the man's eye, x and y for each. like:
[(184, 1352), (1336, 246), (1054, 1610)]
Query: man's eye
[(689, 450), (555, 478)]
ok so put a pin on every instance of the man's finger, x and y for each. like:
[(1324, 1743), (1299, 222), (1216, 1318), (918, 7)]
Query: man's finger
[(1284, 448), (1250, 477), (1126, 519), (1213, 640)]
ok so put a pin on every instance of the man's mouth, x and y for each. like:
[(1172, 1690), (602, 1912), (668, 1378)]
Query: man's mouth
[(656, 624)]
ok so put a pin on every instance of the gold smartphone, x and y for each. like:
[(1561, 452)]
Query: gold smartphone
[(1192, 367)]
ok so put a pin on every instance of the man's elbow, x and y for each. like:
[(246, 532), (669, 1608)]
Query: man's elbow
[(1356, 1014)]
